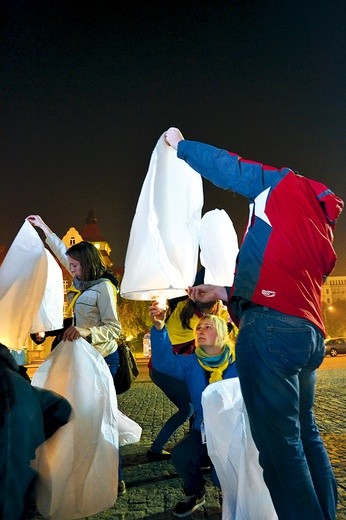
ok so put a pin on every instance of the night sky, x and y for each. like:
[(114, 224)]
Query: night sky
[(86, 92)]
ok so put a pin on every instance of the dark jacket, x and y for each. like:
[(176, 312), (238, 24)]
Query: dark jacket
[(28, 416)]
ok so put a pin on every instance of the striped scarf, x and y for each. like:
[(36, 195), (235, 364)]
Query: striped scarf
[(216, 365)]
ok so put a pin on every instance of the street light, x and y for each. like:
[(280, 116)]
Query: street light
[(330, 308)]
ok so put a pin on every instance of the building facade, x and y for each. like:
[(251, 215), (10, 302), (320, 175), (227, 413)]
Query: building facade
[(334, 290)]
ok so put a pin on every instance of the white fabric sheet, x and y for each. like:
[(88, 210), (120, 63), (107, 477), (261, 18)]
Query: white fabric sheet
[(129, 431), (234, 454), (50, 315), (162, 253), (219, 248), (168, 232), (23, 276), (78, 466)]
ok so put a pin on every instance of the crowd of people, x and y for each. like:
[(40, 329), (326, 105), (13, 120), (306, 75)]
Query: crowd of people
[(275, 302), (181, 320)]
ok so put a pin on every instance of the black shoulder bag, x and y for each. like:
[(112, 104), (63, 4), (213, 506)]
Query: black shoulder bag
[(127, 370)]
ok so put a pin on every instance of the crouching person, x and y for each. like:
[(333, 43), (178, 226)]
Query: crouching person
[(212, 361)]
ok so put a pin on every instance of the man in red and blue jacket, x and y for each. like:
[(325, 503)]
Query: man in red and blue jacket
[(286, 253)]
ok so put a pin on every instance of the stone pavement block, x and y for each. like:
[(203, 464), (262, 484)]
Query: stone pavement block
[(153, 488)]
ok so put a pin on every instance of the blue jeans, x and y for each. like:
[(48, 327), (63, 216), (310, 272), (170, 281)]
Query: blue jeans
[(188, 456), (177, 392), (277, 356), (112, 361)]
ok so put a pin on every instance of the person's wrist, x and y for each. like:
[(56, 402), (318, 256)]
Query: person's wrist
[(227, 295), (84, 332), (159, 326)]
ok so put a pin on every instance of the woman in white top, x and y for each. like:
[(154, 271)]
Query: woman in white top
[(92, 298)]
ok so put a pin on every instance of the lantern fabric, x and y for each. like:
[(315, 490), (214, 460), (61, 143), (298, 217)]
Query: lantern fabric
[(31, 290), (162, 252), (234, 454), (78, 466), (219, 248), (50, 314), (23, 276), (168, 232)]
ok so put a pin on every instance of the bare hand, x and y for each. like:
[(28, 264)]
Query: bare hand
[(37, 221), (206, 293), (157, 315), (173, 136), (73, 333)]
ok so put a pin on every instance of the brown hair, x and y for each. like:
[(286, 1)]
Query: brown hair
[(90, 259), (190, 307)]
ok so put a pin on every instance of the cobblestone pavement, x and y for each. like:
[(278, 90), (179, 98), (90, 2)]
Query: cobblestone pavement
[(153, 488)]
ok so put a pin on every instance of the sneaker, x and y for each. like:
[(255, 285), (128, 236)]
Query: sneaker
[(153, 455), (121, 487), (188, 505)]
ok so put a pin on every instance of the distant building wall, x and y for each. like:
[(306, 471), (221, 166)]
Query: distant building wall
[(334, 290), (72, 237)]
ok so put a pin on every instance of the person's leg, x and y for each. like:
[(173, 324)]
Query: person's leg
[(113, 364), (315, 452), (214, 478), (121, 481), (178, 393), (188, 456), (271, 350)]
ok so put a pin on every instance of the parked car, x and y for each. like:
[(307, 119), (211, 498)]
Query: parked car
[(335, 346)]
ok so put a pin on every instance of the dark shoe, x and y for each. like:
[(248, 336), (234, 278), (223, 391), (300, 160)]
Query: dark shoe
[(188, 505), (153, 455), (121, 487)]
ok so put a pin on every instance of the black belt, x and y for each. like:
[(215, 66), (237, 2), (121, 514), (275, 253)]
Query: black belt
[(248, 304)]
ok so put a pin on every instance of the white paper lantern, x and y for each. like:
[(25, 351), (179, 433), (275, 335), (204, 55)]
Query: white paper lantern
[(162, 253)]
